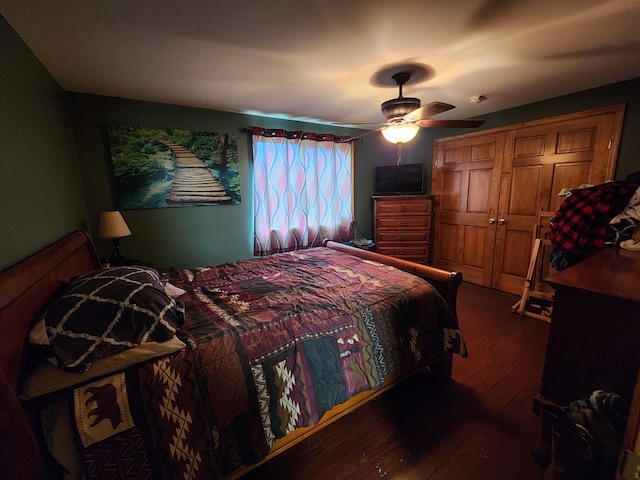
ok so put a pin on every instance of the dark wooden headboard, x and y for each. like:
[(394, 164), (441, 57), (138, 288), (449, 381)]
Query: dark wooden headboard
[(25, 290)]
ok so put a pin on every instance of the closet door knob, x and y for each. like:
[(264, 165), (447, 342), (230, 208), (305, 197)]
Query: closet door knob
[(501, 221), (491, 221)]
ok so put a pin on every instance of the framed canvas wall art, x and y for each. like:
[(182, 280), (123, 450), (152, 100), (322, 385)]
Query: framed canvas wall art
[(162, 167)]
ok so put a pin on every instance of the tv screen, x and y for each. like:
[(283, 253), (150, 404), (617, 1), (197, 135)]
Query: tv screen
[(403, 179)]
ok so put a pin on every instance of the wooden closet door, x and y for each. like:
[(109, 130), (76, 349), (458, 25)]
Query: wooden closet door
[(466, 182), (540, 161), (490, 186)]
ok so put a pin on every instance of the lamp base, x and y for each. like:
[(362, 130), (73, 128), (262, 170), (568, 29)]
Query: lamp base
[(117, 258)]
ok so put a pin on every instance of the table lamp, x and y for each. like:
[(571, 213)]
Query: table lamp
[(113, 226)]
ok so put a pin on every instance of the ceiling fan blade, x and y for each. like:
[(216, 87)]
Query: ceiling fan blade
[(427, 110), (449, 123), (359, 123), (363, 135)]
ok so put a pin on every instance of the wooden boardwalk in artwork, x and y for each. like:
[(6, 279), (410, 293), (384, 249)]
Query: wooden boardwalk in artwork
[(193, 183)]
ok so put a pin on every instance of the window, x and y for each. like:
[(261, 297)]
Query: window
[(303, 184)]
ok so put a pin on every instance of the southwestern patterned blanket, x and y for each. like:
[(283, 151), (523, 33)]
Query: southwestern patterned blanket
[(272, 344)]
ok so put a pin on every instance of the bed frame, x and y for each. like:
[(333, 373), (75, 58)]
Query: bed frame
[(27, 287)]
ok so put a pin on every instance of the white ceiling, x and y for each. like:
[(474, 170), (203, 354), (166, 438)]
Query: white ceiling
[(331, 60)]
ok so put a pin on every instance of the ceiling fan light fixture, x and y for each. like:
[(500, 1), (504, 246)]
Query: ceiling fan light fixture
[(400, 132), (399, 107)]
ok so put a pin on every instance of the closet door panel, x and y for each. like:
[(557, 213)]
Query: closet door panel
[(483, 152), (514, 265), (525, 186), (540, 161), (478, 193), (566, 175), (453, 154), (466, 186), (531, 146), (475, 240), (449, 239), (452, 187)]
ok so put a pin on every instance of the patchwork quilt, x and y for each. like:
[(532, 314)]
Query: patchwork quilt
[(272, 344)]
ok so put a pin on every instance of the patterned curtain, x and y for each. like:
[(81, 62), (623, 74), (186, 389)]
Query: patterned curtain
[(302, 189)]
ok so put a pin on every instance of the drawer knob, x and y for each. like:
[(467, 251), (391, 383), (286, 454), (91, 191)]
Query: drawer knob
[(402, 237), (403, 224), (401, 252), (403, 209)]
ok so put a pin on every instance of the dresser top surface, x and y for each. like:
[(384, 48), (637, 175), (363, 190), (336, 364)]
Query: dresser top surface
[(402, 197), (612, 271)]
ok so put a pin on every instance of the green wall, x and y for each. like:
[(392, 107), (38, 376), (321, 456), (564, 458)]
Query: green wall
[(41, 196), (170, 237)]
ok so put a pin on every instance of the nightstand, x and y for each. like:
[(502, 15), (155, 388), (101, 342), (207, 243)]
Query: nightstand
[(370, 247), (106, 262)]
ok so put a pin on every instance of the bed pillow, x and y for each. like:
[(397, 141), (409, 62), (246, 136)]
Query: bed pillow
[(173, 291), (47, 379), (107, 311)]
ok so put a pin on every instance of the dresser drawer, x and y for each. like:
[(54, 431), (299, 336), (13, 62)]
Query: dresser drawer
[(400, 223), (409, 208), (403, 236), (402, 251)]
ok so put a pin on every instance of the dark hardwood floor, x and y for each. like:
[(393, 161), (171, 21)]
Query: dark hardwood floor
[(479, 426)]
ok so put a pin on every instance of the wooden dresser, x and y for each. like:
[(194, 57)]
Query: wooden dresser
[(594, 335), (403, 226)]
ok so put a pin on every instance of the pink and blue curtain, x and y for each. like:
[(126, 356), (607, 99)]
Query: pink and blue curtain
[(302, 189)]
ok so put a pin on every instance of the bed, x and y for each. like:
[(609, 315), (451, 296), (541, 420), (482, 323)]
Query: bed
[(244, 360)]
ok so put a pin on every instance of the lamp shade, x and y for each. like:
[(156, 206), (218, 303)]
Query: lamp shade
[(112, 225), (400, 132)]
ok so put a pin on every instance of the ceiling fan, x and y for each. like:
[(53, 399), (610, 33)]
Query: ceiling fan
[(405, 116)]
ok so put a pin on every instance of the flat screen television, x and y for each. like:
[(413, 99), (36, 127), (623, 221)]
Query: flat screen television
[(403, 179)]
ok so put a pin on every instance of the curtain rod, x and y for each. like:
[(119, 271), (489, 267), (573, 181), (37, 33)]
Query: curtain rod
[(250, 130)]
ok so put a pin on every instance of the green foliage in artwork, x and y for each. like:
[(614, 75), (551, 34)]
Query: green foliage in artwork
[(207, 147), (234, 185), (132, 154), (137, 169), (232, 152), (231, 181), (143, 166)]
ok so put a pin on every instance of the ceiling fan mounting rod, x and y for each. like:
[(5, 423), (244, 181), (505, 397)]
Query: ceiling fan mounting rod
[(396, 108), (401, 78)]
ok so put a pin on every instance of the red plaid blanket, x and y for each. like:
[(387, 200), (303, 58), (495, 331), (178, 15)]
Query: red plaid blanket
[(580, 224)]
